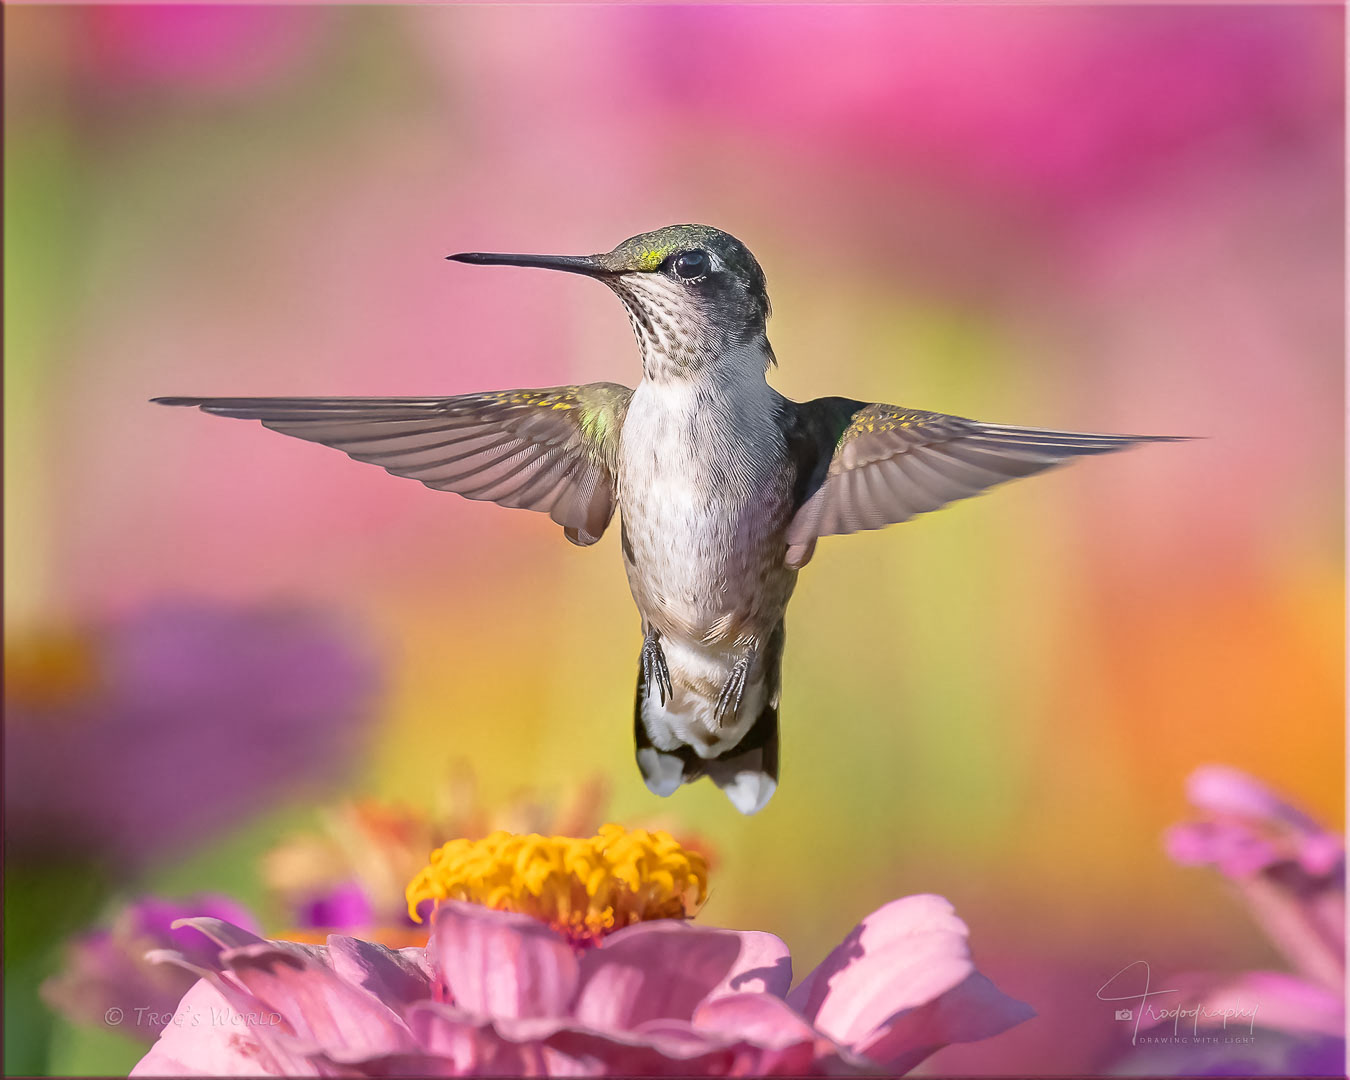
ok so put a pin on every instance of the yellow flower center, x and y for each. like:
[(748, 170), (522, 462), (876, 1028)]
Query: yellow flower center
[(584, 888)]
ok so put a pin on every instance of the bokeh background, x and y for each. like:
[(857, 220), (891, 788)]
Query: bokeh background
[(1119, 219)]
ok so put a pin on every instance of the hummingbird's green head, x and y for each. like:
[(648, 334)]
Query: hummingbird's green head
[(694, 294)]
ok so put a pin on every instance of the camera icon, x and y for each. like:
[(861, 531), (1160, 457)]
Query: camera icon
[(1124, 1014)]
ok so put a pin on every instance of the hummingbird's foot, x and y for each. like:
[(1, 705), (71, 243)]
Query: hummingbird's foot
[(729, 700), (654, 670)]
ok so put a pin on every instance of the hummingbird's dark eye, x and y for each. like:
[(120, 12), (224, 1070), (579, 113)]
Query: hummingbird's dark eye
[(691, 264)]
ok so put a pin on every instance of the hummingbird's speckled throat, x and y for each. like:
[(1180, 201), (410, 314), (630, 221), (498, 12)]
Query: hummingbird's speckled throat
[(723, 485)]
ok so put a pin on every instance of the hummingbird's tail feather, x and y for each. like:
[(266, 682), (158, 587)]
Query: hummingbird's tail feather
[(663, 771), (748, 776), (746, 772)]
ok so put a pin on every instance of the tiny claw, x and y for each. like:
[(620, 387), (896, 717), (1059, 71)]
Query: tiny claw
[(729, 700), (654, 669)]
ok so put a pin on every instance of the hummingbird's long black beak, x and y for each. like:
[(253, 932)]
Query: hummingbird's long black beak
[(572, 264)]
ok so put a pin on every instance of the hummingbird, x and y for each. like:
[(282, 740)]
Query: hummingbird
[(723, 485)]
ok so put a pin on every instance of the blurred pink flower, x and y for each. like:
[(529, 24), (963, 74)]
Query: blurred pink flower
[(1291, 873), (131, 737), (1249, 831), (1088, 100), (206, 49), (501, 992), (106, 971), (1288, 869)]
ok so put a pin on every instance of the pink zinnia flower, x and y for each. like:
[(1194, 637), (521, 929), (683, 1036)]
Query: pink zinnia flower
[(1290, 872), (1288, 869), (602, 975), (106, 978)]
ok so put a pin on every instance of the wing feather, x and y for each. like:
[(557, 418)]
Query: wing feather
[(553, 450), (863, 466)]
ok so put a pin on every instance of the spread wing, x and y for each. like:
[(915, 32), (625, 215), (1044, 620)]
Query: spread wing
[(864, 466), (553, 450)]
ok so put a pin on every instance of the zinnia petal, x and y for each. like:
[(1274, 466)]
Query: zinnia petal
[(242, 1009), (1236, 851), (106, 969), (915, 945), (470, 1045), (576, 1051), (764, 965), (761, 1018), (347, 1022), (1255, 828), (204, 1049), (503, 993), (762, 1034), (1269, 999), (653, 971), (500, 963), (241, 1017), (1221, 789), (398, 978), (973, 1009), (868, 993), (1289, 870), (225, 934)]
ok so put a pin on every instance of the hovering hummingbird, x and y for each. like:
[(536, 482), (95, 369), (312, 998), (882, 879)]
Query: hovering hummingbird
[(723, 485)]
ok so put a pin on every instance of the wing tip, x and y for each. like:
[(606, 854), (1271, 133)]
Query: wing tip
[(1017, 429), (183, 401), (1066, 443), (1128, 441)]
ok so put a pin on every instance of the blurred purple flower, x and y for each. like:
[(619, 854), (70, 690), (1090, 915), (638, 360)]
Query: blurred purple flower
[(106, 973), (345, 906), (500, 992), (206, 49), (1291, 873), (128, 739)]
